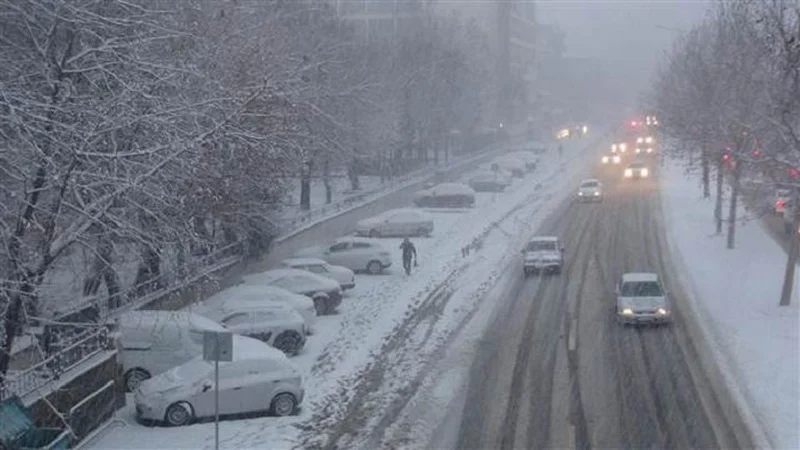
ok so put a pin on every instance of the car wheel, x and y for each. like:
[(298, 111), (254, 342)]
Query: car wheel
[(283, 404), (134, 377), (321, 305), (289, 342), (178, 414), (374, 233), (374, 267)]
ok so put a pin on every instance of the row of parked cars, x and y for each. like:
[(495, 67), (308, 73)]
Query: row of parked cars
[(272, 314)]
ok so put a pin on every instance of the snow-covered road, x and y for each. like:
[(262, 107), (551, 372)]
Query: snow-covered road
[(364, 365)]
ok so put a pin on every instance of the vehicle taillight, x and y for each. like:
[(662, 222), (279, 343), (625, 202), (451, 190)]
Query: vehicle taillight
[(779, 203)]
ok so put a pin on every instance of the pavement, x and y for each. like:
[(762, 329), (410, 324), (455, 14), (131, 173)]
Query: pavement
[(555, 370)]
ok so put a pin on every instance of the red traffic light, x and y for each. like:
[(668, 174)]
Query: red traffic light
[(726, 156), (793, 172), (756, 152)]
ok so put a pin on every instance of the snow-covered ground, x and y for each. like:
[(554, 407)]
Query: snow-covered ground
[(736, 293), (390, 331)]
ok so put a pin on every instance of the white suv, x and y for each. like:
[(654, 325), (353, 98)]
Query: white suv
[(590, 190), (543, 254), (642, 299)]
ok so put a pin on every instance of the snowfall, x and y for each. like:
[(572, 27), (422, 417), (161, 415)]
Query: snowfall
[(401, 346)]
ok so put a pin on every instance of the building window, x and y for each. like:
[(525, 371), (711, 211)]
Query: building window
[(380, 7)]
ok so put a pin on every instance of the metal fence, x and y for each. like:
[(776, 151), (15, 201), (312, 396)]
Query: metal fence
[(72, 351)]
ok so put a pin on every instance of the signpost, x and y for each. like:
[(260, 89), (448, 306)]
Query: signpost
[(217, 346)]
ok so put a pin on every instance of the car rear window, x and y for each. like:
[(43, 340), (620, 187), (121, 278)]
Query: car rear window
[(641, 289), (536, 246), (589, 184)]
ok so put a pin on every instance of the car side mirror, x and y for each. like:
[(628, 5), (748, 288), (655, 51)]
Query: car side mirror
[(207, 386)]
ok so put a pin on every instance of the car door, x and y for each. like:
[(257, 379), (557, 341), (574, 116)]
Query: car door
[(338, 253), (233, 395), (362, 255), (406, 223)]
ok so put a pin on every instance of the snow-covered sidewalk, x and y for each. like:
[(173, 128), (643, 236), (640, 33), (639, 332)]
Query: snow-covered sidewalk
[(736, 295), (375, 352)]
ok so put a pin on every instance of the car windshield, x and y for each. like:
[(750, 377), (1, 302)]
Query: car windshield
[(589, 184), (537, 246), (641, 289), (637, 166), (192, 371)]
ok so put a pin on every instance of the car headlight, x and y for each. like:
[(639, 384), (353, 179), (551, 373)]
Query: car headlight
[(623, 146), (645, 172), (580, 193), (616, 160), (638, 150), (649, 149), (627, 312), (662, 311), (613, 147), (605, 159), (649, 140), (596, 194), (639, 140), (628, 173)]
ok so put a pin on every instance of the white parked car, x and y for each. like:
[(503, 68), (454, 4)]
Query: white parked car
[(530, 160), (355, 253), (642, 299), (446, 195), (326, 293), (253, 381), (511, 163), (266, 295), (153, 342), (340, 274), (488, 181), (590, 190), (543, 254), (278, 325), (400, 222)]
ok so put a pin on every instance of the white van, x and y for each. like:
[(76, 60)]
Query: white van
[(153, 342)]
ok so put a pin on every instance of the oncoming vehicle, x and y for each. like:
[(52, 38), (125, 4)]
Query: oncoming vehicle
[(590, 190), (641, 299), (543, 254), (636, 170), (400, 222), (612, 158)]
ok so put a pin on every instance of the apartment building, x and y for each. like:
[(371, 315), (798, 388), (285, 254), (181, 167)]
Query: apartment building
[(377, 19)]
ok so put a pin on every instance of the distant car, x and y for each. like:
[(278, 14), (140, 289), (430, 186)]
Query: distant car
[(536, 147), (356, 253), (402, 222), (342, 275), (620, 147), (252, 382), (228, 299), (611, 159), (326, 293), (446, 195), (543, 254), (645, 144), (781, 200), (277, 325), (637, 170), (590, 190), (641, 299), (530, 159), (512, 163), (487, 181)]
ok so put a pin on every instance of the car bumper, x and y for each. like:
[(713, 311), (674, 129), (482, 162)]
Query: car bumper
[(538, 265), (346, 286), (590, 198), (643, 318), (147, 413)]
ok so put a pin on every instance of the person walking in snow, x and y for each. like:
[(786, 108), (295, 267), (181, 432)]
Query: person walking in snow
[(409, 251)]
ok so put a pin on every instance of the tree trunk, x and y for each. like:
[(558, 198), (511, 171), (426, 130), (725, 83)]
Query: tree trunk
[(305, 187), (103, 271), (13, 322), (791, 260), (352, 175), (718, 204), (326, 179), (737, 173), (706, 175), (148, 277)]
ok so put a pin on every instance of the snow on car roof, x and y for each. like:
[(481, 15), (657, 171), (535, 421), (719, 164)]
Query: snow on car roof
[(639, 277), (138, 319), (249, 348), (303, 261), (273, 275), (544, 239)]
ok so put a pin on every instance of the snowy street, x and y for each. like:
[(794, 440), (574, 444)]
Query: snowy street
[(363, 365)]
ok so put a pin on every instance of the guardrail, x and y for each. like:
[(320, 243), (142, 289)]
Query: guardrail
[(81, 347)]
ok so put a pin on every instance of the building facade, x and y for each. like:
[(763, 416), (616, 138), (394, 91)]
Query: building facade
[(377, 19)]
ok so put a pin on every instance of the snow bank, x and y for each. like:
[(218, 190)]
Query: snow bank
[(737, 293)]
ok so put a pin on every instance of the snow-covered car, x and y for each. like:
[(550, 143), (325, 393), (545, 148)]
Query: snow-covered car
[(543, 254), (153, 342), (590, 190), (530, 160), (780, 201), (278, 325), (536, 147), (641, 299), (356, 253), (340, 274), (255, 380), (636, 170), (229, 298), (487, 181), (512, 163), (399, 222), (326, 293), (446, 195)]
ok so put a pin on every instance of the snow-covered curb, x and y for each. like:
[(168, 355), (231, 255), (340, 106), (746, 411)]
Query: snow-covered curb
[(716, 299)]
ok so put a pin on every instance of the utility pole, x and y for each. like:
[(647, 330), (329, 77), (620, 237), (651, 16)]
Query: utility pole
[(504, 60), (791, 260)]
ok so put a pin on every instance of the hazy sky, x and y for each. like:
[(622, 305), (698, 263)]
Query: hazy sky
[(627, 35)]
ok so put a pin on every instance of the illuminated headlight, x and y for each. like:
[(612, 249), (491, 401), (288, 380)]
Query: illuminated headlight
[(627, 312), (580, 194), (648, 140), (638, 150), (649, 149), (613, 147), (662, 312), (639, 140), (605, 159), (596, 193), (585, 129), (623, 146), (644, 172), (628, 173), (616, 159)]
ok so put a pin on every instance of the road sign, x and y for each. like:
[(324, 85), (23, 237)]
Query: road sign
[(218, 346)]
